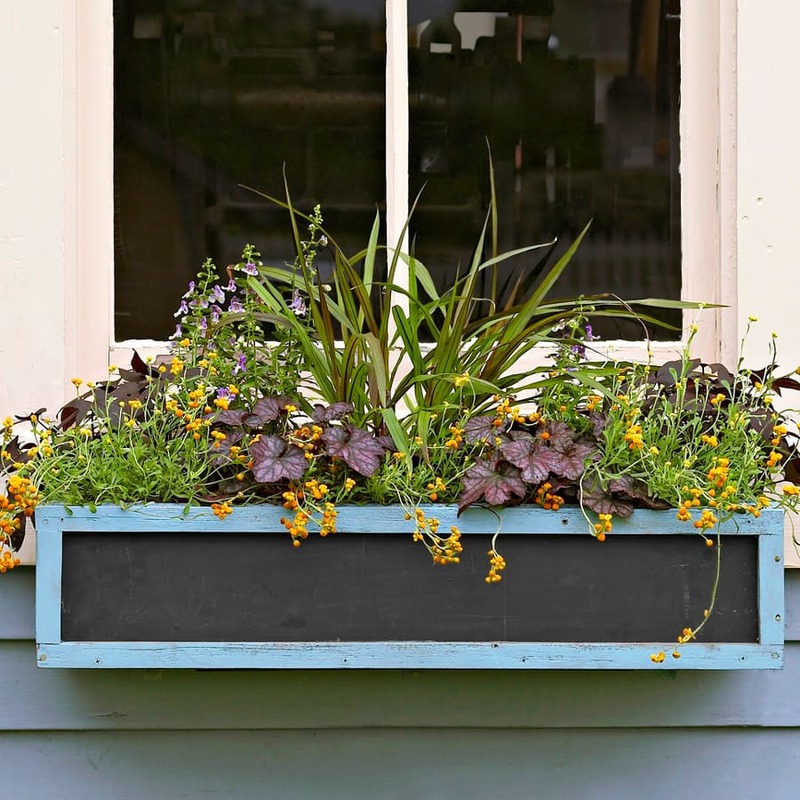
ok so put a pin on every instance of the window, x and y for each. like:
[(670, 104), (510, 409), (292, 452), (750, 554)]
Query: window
[(342, 55)]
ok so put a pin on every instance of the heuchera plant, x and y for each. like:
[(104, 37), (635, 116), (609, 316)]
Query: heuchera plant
[(289, 388)]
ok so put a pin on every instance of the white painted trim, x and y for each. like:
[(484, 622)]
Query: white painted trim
[(397, 127), (89, 200)]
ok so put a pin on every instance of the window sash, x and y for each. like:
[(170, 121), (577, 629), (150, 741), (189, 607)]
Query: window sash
[(707, 131)]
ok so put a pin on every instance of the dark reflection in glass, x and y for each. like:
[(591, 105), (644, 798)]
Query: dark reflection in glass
[(210, 94), (578, 100)]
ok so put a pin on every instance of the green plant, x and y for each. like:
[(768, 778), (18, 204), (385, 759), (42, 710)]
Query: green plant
[(286, 388)]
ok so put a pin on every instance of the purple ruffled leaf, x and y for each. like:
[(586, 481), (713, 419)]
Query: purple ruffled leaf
[(359, 449), (322, 414), (275, 460), (534, 460), (495, 481), (267, 409)]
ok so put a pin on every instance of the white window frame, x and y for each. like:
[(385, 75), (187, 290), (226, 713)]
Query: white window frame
[(708, 177)]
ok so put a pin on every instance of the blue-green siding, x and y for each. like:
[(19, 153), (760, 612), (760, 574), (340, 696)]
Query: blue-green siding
[(156, 734)]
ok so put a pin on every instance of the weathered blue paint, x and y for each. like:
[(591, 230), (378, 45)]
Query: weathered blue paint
[(362, 519), (55, 522)]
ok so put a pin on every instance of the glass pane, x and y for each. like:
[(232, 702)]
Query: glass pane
[(578, 100), (211, 94)]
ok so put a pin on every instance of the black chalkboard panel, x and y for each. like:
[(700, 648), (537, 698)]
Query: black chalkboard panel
[(252, 587)]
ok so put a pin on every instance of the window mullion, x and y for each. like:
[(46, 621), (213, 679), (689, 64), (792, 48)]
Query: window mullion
[(397, 128)]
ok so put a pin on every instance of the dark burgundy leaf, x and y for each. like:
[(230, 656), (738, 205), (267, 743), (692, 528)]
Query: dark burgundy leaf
[(480, 429), (791, 470), (267, 409), (359, 449), (275, 460), (784, 383), (332, 412), (74, 412), (535, 460), (569, 458), (495, 481), (142, 367), (17, 453), (387, 442), (131, 376), (722, 374), (607, 504), (558, 432), (27, 417), (18, 536), (599, 423), (220, 451), (231, 417), (128, 391), (762, 422)]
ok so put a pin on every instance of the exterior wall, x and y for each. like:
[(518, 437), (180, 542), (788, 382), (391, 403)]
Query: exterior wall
[(398, 734)]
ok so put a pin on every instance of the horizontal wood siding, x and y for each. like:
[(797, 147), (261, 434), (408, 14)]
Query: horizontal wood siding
[(397, 734), (726, 764)]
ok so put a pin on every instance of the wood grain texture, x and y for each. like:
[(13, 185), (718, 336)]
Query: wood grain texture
[(401, 765), (362, 519)]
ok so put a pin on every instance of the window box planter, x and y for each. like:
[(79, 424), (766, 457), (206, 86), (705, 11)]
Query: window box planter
[(154, 587)]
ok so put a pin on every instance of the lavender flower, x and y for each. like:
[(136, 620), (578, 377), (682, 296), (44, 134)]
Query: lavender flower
[(215, 312), (235, 305), (297, 305), (250, 268), (183, 309), (203, 324), (231, 287), (241, 363), (217, 293), (224, 393), (178, 332), (190, 292), (579, 350)]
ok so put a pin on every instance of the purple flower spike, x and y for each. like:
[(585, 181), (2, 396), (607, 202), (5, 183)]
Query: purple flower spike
[(190, 292), (241, 364), (218, 294), (203, 324), (178, 332), (589, 336), (231, 287), (215, 313), (250, 268), (183, 309), (297, 305), (235, 305)]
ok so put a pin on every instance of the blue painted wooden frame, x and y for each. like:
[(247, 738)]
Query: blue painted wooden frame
[(55, 522)]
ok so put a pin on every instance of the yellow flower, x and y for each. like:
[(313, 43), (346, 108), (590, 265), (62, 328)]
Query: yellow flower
[(461, 379)]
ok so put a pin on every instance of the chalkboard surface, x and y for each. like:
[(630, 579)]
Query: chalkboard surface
[(255, 587)]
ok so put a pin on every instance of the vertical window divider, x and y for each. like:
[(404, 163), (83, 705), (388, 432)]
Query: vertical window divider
[(397, 135)]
